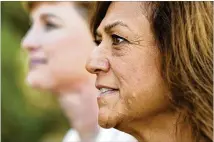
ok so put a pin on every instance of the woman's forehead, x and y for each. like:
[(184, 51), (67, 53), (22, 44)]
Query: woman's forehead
[(124, 8), (31, 6), (128, 10), (51, 8), (128, 13)]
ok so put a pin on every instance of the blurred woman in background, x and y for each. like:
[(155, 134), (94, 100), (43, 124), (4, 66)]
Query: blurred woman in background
[(154, 67), (58, 43)]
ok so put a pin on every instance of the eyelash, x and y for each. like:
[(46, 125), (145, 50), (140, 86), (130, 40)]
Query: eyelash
[(116, 37), (50, 26), (113, 38)]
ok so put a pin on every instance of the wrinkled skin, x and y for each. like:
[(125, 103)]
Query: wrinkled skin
[(127, 60)]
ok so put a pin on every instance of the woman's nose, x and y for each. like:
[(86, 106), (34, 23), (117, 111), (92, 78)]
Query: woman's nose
[(97, 62), (30, 41)]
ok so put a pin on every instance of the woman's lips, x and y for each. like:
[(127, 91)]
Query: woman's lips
[(107, 91), (35, 62)]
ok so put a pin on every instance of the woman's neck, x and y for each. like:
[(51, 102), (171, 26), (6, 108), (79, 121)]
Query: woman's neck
[(79, 103), (163, 127), (79, 86)]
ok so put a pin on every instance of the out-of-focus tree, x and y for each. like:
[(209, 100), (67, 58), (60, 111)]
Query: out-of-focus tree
[(27, 115)]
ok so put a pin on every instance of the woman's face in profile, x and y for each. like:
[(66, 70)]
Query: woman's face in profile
[(127, 63), (57, 44)]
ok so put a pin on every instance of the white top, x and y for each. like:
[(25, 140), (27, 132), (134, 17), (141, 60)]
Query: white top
[(104, 135)]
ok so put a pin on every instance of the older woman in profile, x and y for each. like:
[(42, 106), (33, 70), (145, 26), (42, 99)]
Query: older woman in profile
[(58, 44), (154, 69)]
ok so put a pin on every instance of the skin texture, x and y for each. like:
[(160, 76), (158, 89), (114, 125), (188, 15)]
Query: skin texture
[(64, 45), (132, 66), (128, 60)]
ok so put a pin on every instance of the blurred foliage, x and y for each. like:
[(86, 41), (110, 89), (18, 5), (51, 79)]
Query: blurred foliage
[(27, 115)]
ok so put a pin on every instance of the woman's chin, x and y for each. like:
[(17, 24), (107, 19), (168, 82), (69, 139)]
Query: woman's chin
[(107, 119), (39, 82)]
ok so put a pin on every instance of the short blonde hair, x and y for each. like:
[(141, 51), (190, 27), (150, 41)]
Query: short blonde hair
[(85, 9)]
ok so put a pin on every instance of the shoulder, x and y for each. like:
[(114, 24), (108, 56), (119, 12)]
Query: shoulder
[(71, 136), (104, 135), (109, 135)]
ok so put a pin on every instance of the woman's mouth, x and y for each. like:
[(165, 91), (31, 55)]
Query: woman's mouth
[(35, 62), (107, 91)]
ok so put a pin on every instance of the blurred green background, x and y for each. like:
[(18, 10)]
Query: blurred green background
[(27, 115)]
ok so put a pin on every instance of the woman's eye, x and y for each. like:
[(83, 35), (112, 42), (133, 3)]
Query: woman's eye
[(116, 40), (97, 42), (50, 26)]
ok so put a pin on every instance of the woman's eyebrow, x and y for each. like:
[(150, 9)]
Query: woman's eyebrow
[(49, 15), (108, 27)]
